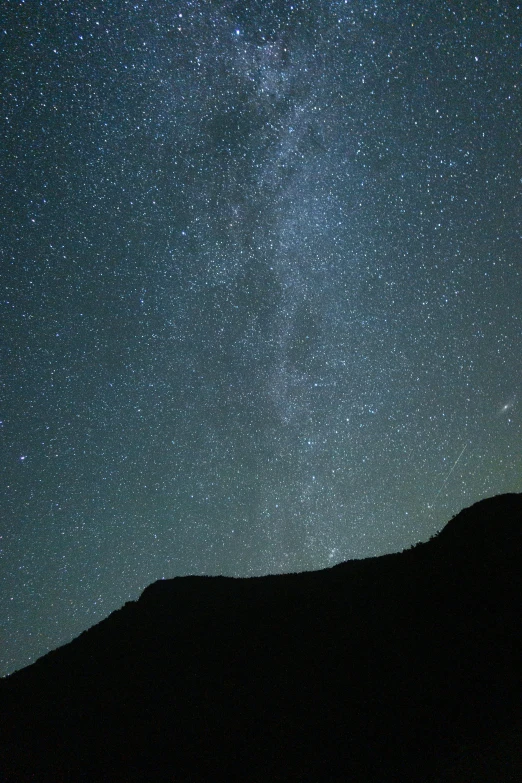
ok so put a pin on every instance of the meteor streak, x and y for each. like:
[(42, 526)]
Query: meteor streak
[(451, 471)]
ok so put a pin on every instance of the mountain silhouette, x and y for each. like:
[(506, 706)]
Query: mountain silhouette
[(405, 667)]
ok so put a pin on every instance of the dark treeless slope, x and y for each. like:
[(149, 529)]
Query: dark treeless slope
[(405, 667)]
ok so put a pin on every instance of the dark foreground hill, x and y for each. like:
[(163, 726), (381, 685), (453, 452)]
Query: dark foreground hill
[(405, 667)]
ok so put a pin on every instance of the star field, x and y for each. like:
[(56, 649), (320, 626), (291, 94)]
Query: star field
[(262, 290)]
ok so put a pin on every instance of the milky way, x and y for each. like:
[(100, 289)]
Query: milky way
[(263, 290)]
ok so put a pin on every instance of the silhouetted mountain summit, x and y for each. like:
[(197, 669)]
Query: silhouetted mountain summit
[(405, 667)]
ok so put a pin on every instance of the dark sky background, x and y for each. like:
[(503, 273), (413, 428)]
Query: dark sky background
[(262, 289)]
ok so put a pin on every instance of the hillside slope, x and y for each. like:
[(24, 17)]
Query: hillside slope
[(405, 667)]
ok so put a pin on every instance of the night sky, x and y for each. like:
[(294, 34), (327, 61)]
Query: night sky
[(261, 290)]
